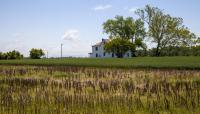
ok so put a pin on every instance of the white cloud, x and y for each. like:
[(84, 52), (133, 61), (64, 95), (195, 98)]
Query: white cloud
[(73, 45), (132, 10), (102, 7), (70, 35)]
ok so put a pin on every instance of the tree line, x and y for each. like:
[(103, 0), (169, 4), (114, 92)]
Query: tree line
[(11, 55), (168, 33), (171, 51), (33, 54)]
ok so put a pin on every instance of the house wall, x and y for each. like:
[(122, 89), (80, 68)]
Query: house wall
[(99, 53)]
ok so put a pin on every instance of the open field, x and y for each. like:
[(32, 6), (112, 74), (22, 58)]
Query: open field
[(62, 90), (137, 62), (149, 85)]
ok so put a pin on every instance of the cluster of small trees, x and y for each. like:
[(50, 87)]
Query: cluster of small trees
[(11, 55), (165, 31), (34, 54)]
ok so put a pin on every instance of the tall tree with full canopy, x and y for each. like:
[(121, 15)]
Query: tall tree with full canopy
[(164, 29), (126, 29)]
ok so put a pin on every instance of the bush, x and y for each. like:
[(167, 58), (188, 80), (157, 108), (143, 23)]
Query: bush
[(119, 47), (36, 53)]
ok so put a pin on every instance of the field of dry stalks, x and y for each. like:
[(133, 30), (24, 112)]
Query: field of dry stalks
[(63, 90)]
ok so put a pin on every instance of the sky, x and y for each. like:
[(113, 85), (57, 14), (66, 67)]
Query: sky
[(77, 24)]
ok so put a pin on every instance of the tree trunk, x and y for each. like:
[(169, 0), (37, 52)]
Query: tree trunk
[(133, 54), (157, 50), (119, 55)]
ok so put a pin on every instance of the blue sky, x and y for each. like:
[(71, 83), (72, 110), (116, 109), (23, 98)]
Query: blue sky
[(26, 24)]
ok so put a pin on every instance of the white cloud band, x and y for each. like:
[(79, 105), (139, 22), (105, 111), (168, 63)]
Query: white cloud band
[(102, 7)]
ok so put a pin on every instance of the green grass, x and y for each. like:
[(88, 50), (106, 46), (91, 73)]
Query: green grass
[(137, 62)]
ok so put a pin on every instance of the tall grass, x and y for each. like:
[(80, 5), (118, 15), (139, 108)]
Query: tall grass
[(61, 90)]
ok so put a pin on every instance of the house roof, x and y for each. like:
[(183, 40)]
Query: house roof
[(102, 42)]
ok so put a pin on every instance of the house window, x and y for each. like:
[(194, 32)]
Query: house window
[(112, 54), (104, 54), (96, 48), (96, 55), (127, 54)]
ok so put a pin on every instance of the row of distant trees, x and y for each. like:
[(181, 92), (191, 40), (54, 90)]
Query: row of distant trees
[(171, 51), (168, 33), (167, 51), (11, 55), (34, 54)]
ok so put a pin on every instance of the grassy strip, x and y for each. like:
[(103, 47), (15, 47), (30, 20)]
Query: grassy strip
[(138, 62)]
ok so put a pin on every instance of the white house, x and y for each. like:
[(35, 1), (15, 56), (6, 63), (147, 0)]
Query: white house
[(98, 51)]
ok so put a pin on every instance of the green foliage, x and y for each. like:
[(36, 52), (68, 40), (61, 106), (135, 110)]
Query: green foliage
[(119, 47), (14, 55), (119, 27), (11, 55), (125, 29), (198, 41), (165, 30), (195, 50), (36, 53), (2, 56), (141, 53), (176, 51)]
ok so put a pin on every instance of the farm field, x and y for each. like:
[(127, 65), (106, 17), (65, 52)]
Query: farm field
[(64, 89), (99, 57), (190, 62)]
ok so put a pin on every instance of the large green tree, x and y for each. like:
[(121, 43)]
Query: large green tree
[(164, 29), (119, 47), (126, 29), (36, 53)]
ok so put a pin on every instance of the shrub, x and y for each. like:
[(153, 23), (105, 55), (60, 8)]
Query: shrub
[(36, 53)]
